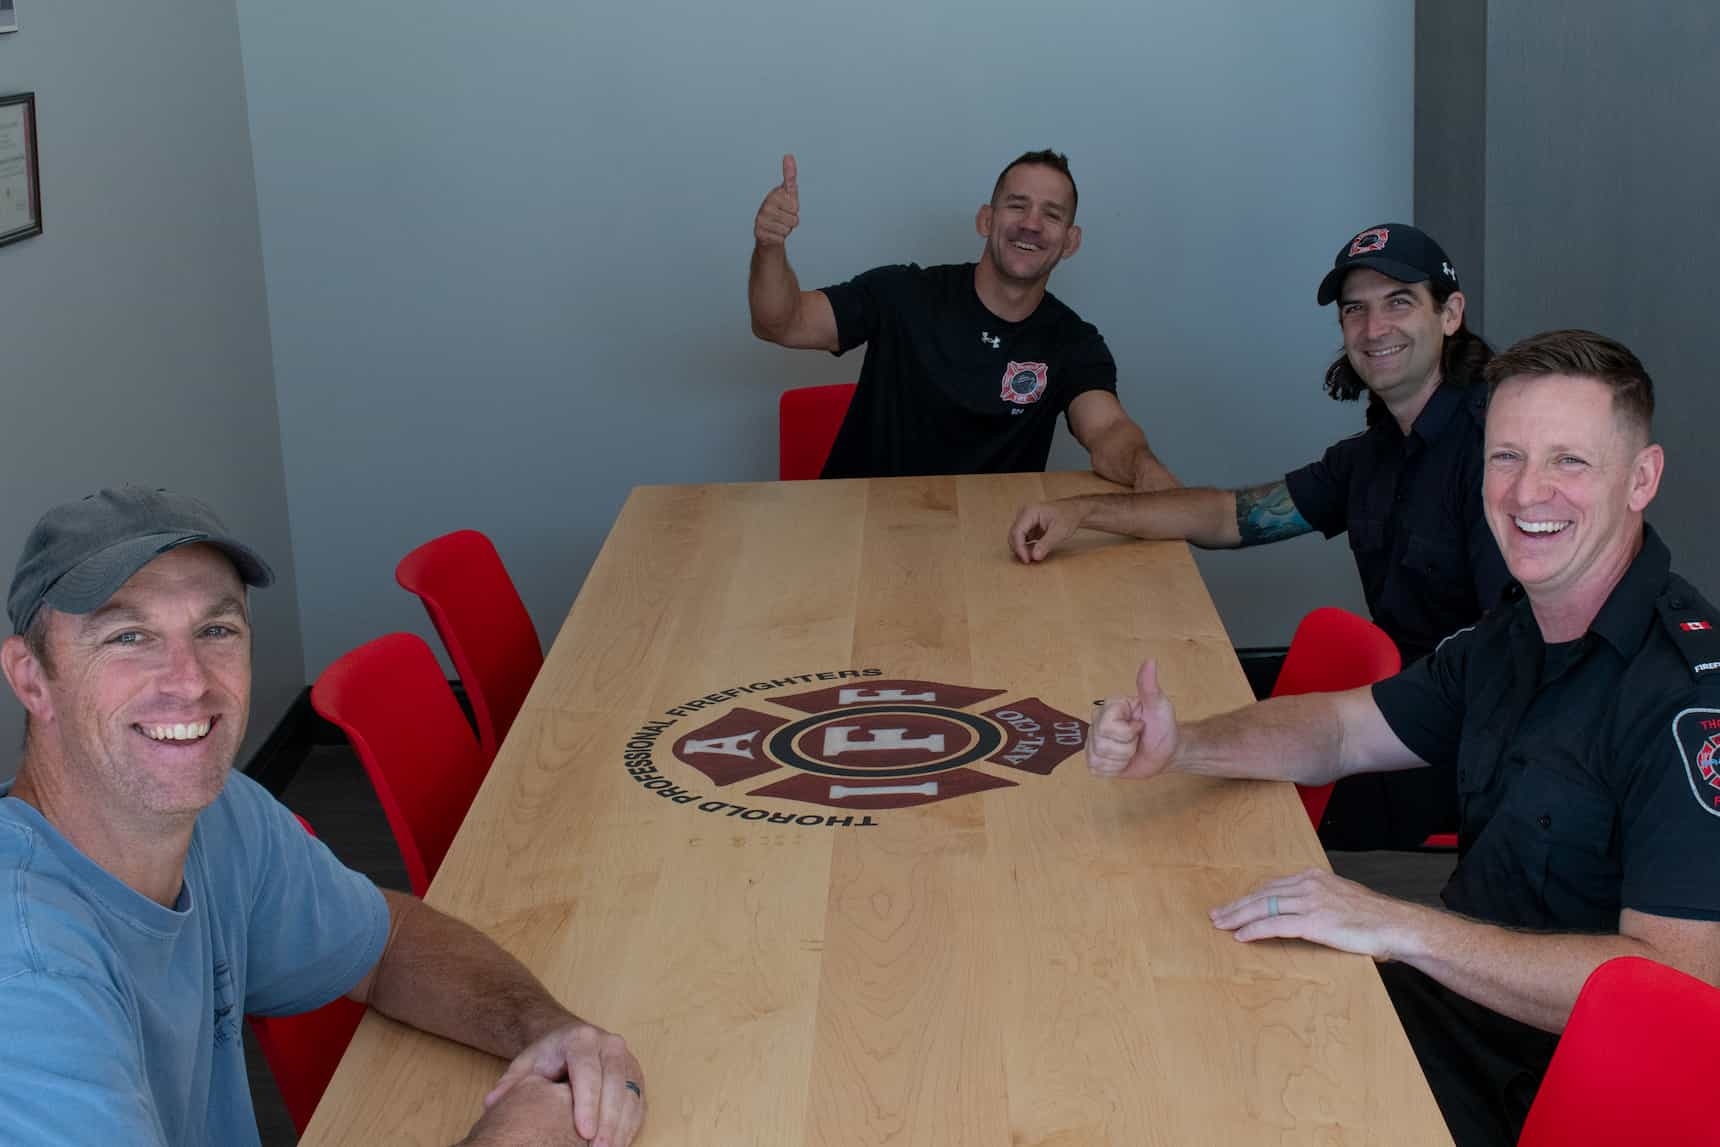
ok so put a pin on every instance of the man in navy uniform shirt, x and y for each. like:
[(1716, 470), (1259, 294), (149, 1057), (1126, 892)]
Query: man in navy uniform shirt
[(1583, 720), (967, 366), (1407, 490)]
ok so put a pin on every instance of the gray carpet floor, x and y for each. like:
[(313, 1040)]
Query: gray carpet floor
[(331, 791)]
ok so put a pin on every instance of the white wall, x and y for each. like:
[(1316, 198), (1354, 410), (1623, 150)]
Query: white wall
[(134, 339), (506, 246)]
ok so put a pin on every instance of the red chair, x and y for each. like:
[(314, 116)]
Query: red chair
[(1333, 650), (1635, 1063), (807, 421), (303, 1050), (391, 700), (483, 624)]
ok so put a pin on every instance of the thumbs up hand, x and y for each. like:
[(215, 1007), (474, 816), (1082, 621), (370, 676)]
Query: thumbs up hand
[(1134, 736), (780, 212)]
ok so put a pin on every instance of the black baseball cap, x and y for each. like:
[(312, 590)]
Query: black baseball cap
[(81, 552), (1397, 251)]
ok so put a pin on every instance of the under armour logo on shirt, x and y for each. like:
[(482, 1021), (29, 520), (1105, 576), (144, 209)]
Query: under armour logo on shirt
[(991, 340)]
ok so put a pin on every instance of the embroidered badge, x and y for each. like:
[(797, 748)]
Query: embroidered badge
[(1374, 240), (1024, 382), (1697, 732)]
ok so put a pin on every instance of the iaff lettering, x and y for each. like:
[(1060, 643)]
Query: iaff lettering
[(687, 708), (640, 766)]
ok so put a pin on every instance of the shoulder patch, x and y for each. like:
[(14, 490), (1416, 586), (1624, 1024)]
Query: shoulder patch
[(1697, 732), (1691, 625)]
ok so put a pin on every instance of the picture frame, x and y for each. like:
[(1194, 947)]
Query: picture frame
[(8, 16), (20, 174)]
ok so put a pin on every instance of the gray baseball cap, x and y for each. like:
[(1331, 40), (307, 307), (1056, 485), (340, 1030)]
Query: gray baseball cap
[(81, 552)]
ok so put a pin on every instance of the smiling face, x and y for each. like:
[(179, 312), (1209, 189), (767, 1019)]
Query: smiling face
[(142, 704), (1029, 225), (1394, 332), (1566, 481)]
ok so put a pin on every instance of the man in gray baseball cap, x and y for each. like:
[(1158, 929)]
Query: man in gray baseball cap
[(81, 552), (150, 895)]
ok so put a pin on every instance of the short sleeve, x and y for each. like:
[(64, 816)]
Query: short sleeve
[(316, 926), (861, 303), (1424, 704), (70, 1068), (1088, 365), (1321, 490), (1670, 818)]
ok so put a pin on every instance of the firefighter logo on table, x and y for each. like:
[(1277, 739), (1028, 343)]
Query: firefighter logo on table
[(881, 744)]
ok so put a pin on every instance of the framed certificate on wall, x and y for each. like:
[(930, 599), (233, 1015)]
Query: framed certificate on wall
[(20, 182)]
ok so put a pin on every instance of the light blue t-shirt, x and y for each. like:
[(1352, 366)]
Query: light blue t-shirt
[(121, 1017)]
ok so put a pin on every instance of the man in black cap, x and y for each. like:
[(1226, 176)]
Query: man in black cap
[(1407, 490), (153, 896)]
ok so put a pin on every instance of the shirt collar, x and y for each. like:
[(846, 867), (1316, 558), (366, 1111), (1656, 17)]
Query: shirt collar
[(1627, 612), (1629, 609), (1441, 407)]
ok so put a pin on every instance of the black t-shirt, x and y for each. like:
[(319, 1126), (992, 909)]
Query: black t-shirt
[(1589, 781), (947, 387), (1412, 505)]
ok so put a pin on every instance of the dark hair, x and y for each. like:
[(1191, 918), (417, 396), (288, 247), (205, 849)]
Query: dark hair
[(1584, 354), (1055, 160), (1461, 361)]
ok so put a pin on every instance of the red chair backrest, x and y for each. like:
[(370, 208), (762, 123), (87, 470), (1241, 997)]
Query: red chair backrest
[(1333, 650), (483, 624), (303, 1050), (1635, 1063), (391, 700), (808, 418)]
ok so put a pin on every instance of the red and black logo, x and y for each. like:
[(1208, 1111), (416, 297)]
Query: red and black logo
[(1368, 241), (1697, 732), (866, 744), (1024, 382)]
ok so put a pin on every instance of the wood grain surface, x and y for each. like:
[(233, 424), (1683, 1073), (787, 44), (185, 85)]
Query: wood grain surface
[(1027, 965)]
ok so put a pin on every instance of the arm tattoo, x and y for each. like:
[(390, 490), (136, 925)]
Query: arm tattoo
[(1267, 514)]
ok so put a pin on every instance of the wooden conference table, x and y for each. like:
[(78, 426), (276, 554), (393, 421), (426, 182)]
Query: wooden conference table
[(995, 949)]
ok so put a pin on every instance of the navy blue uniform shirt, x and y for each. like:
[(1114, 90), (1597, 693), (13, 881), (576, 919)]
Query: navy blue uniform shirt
[(1588, 772), (1412, 506)]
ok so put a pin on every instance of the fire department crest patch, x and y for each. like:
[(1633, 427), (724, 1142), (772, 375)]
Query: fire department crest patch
[(1374, 240), (1024, 382), (864, 743), (1697, 732)]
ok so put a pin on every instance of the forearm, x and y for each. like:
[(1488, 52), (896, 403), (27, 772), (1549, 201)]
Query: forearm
[(1298, 739), (1533, 977), (1122, 455), (445, 977), (773, 292), (1202, 515)]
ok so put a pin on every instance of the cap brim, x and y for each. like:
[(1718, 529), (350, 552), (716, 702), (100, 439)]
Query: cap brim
[(1390, 268), (88, 585)]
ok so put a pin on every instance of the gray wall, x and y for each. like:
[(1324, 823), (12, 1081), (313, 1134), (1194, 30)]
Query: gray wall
[(134, 340), (1600, 177), (1451, 138), (506, 254)]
